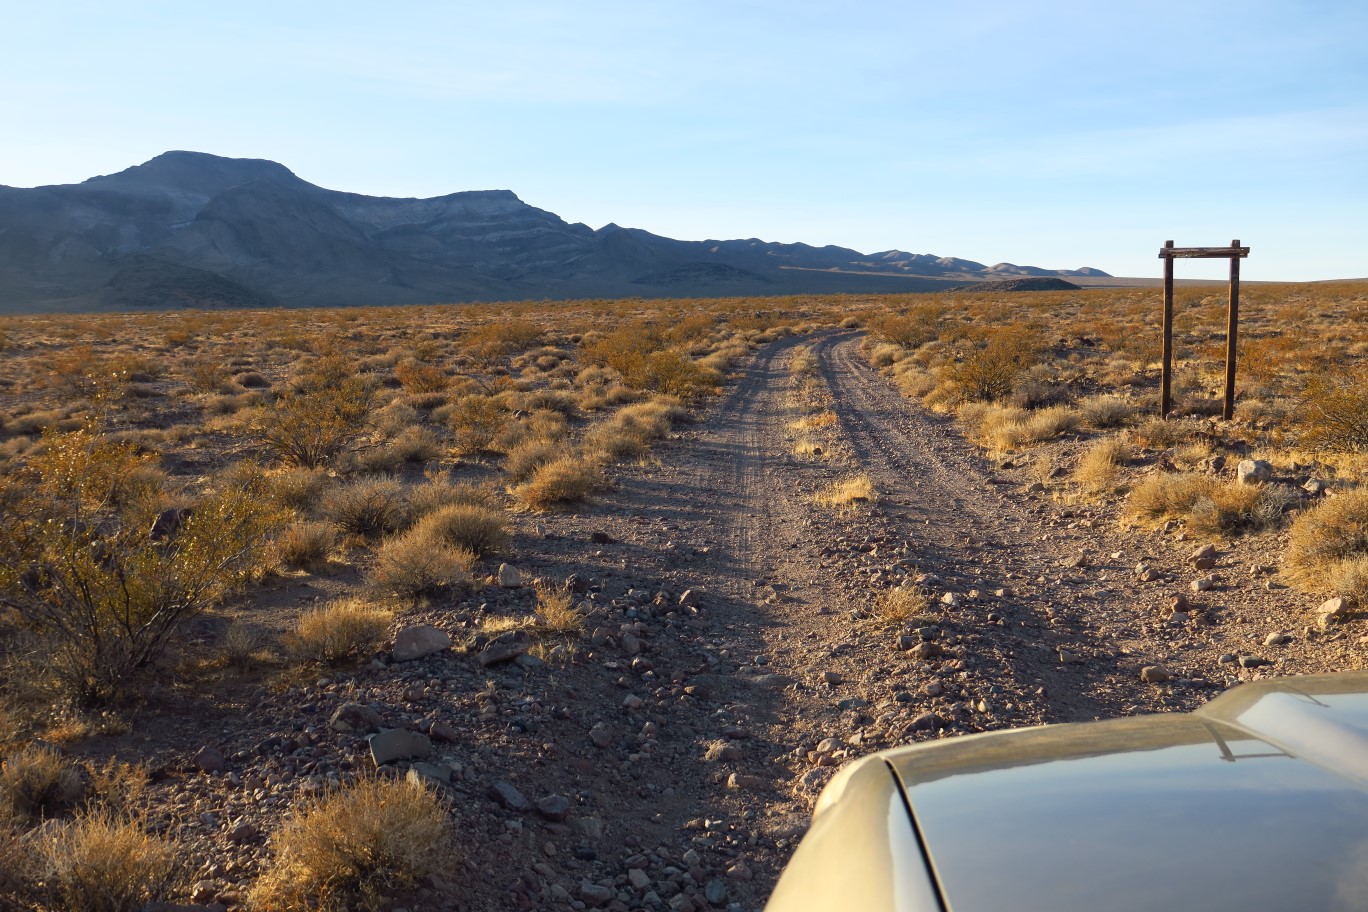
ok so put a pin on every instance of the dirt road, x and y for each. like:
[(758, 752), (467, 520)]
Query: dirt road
[(798, 672)]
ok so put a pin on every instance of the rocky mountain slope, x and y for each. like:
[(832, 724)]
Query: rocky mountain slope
[(188, 229)]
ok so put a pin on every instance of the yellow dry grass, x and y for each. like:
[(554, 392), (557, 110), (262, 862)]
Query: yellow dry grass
[(354, 848), (339, 631), (846, 493)]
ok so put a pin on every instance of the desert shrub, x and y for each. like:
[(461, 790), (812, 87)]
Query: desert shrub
[(1333, 411), (1235, 508), (1106, 410), (352, 849), (338, 632), (96, 586), (639, 354), (885, 355), (987, 371), (232, 403), (566, 480), (315, 420), (606, 395), (413, 444), (1099, 469), (207, 375), (632, 430), (561, 402), (367, 506), (823, 419), (298, 488), (395, 418), (252, 380), (612, 441), (846, 493), (1169, 495), (239, 646), (1350, 578), (434, 494), (414, 564), (36, 783), (1330, 538), (104, 863), (305, 545), (474, 421), (489, 343), (910, 330), (901, 606), (471, 527), (530, 455), (417, 377), (1007, 428)]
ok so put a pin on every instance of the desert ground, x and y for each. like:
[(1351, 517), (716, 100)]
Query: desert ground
[(580, 605)]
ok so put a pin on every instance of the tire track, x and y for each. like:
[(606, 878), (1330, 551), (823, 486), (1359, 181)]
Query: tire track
[(942, 500)]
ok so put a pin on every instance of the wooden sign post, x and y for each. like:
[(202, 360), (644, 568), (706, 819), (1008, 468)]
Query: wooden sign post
[(1168, 253)]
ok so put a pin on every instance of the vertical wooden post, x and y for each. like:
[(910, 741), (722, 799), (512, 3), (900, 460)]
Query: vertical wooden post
[(1232, 335), (1166, 377)]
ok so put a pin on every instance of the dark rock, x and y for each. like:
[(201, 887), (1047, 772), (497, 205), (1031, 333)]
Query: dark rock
[(445, 731), (554, 807), (419, 641), (1154, 674), (507, 794), (506, 647), (210, 760), (595, 895), (354, 717), (398, 744)]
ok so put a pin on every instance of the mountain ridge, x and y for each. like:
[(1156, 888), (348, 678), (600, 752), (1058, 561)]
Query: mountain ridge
[(195, 229)]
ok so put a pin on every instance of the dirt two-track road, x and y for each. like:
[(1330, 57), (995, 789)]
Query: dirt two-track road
[(795, 672)]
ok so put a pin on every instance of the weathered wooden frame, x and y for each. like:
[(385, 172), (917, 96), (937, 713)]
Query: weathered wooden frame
[(1168, 253)]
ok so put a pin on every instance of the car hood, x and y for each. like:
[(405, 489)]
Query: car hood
[(1255, 802)]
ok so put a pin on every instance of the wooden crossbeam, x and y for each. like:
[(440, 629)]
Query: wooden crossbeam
[(1202, 253)]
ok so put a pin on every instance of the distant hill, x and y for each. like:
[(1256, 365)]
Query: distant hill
[(188, 229), (1030, 283)]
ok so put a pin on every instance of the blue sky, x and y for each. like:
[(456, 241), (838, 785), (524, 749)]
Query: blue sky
[(1054, 134)]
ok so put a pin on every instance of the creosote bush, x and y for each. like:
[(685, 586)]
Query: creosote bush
[(353, 848), (1333, 411), (988, 370), (89, 578), (315, 420)]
